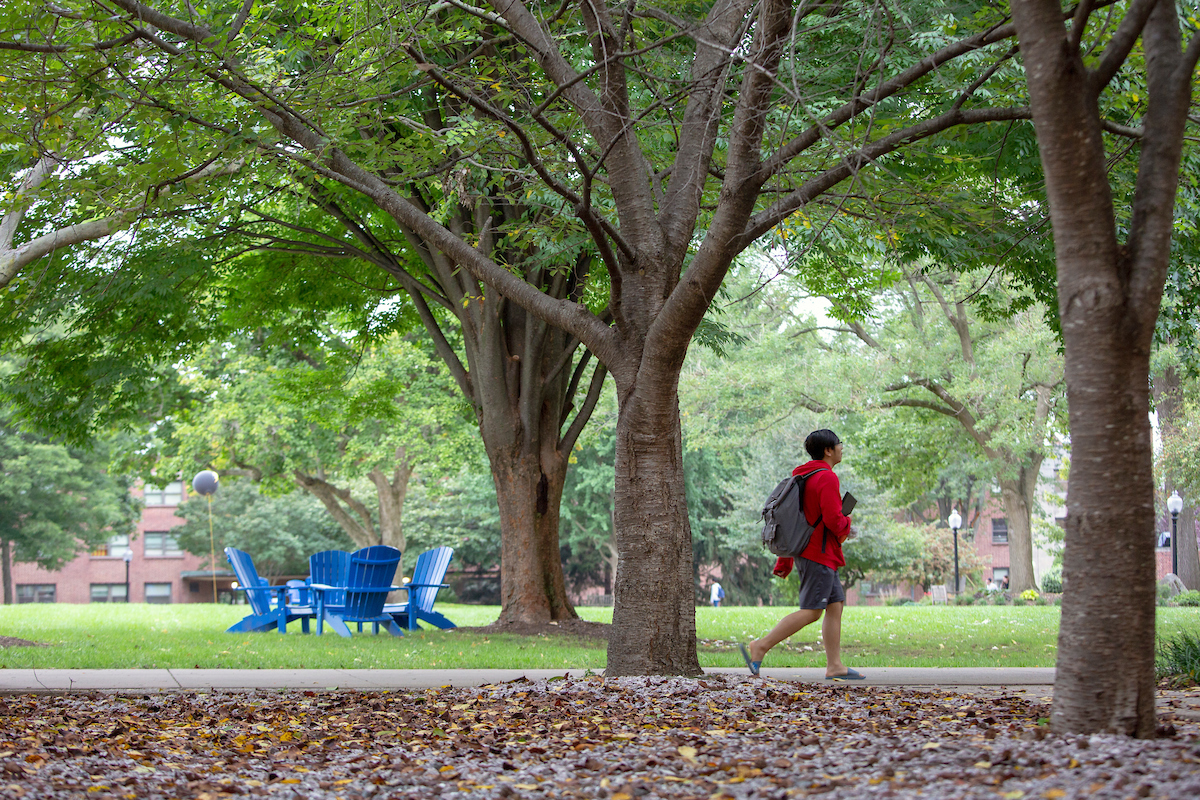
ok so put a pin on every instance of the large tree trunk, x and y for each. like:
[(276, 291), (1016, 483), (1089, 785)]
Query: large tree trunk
[(6, 569), (1020, 499), (1109, 294), (391, 496), (654, 608), (1106, 638), (528, 491), (1189, 548)]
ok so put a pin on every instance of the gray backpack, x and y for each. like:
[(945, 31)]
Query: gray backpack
[(786, 531)]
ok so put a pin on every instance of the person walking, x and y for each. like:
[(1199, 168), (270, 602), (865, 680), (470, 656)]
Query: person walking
[(821, 591), (716, 594)]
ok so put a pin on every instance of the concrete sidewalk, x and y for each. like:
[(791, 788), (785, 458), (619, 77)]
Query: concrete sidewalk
[(142, 680)]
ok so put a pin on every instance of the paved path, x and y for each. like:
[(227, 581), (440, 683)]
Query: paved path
[(59, 680)]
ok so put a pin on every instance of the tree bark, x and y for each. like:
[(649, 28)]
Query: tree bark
[(361, 530), (391, 496), (1019, 495), (6, 568), (1109, 294), (654, 605), (1189, 548), (529, 491)]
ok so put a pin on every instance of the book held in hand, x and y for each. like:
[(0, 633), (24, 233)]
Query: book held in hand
[(849, 501)]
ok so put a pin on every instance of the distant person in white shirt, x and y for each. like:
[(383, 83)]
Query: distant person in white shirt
[(716, 594)]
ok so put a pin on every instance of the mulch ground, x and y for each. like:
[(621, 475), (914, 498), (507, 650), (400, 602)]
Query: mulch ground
[(618, 739), (13, 641)]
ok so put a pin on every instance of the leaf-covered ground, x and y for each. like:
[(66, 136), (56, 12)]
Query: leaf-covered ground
[(619, 739)]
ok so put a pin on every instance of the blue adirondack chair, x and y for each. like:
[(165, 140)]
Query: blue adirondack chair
[(329, 567), (259, 594), (361, 596), (428, 574)]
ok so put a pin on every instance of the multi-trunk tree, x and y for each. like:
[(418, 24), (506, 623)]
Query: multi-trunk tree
[(674, 138), (673, 172)]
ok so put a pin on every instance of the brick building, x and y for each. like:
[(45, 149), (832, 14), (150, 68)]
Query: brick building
[(159, 572)]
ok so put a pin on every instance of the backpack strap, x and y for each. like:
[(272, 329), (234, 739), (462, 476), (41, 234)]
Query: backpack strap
[(825, 531)]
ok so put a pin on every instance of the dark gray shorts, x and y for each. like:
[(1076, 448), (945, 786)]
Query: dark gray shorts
[(819, 585)]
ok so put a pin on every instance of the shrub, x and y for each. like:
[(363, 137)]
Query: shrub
[(1052, 583), (1179, 659), (964, 600), (898, 601), (1029, 595), (1189, 598)]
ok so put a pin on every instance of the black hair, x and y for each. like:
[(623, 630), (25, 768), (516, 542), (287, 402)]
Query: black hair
[(819, 441)]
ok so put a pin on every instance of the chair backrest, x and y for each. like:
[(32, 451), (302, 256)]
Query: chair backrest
[(330, 567), (297, 593), (247, 575), (431, 568), (372, 571)]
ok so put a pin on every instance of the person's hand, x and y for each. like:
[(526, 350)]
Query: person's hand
[(853, 534), (783, 567)]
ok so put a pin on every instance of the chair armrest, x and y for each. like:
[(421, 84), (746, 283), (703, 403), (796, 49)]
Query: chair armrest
[(258, 588), (426, 585)]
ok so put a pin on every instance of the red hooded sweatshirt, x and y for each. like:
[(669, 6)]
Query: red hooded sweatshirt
[(822, 498)]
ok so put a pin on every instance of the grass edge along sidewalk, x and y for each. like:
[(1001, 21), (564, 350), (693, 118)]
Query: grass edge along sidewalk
[(122, 636)]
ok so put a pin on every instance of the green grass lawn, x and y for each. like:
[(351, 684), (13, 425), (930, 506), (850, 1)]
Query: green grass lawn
[(180, 636)]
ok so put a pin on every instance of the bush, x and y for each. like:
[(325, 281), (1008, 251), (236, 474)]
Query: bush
[(1029, 595), (1052, 583), (1179, 658), (898, 601), (964, 600), (1189, 598)]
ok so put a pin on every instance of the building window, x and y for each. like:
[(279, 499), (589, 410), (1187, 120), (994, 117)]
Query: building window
[(1000, 531), (158, 543), (108, 593), (171, 495), (999, 574), (158, 592), (35, 593), (116, 547)]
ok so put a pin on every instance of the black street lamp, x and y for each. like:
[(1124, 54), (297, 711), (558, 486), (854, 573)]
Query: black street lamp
[(955, 522), (1174, 505), (128, 558)]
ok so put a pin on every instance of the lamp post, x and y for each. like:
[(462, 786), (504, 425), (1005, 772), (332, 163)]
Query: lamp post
[(128, 557), (1174, 505), (955, 522), (205, 483)]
